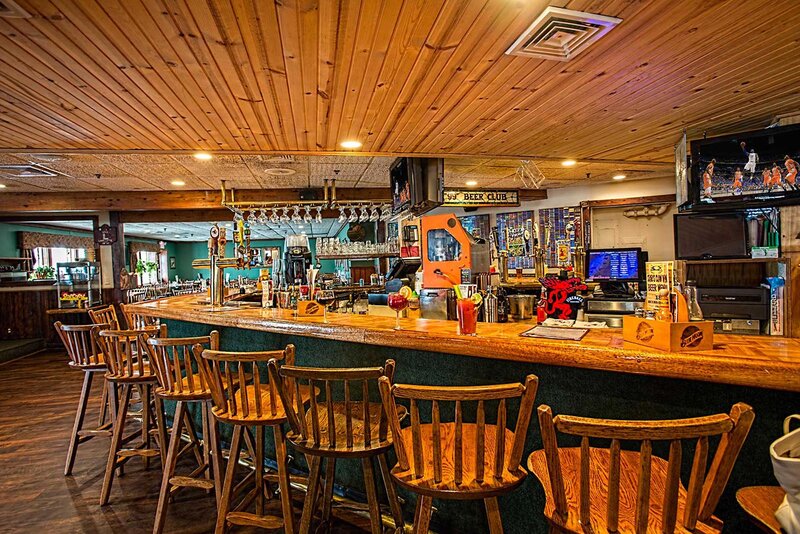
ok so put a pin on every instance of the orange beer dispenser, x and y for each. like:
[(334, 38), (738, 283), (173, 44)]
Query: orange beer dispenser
[(448, 249)]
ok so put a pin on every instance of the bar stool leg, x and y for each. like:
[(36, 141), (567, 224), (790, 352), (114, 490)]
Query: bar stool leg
[(311, 494), (258, 463), (103, 406), (327, 498), (76, 427), (391, 493), (227, 487), (493, 515), (422, 516), (146, 398), (163, 442), (169, 467), (116, 438), (215, 450), (372, 496), (283, 480)]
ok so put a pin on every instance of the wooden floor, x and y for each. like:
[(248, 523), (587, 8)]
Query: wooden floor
[(38, 397)]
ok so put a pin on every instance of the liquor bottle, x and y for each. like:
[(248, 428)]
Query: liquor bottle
[(503, 306), (541, 314)]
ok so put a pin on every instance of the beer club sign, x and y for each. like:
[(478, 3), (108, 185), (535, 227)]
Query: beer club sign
[(468, 198)]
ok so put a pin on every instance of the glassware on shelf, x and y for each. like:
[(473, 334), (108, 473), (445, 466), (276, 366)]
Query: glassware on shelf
[(397, 302)]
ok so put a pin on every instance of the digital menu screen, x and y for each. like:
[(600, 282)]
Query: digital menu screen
[(611, 264)]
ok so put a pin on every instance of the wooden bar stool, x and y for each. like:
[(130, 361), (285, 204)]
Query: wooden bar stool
[(353, 428), (760, 504), (633, 491), (125, 354), (458, 460), (136, 320), (85, 356), (181, 381), (243, 396), (107, 315)]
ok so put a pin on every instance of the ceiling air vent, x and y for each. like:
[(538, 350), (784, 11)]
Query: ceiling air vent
[(561, 34), (26, 171), (11, 10), (272, 159)]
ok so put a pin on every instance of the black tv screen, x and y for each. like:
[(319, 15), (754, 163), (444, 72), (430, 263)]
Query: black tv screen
[(717, 236), (751, 169), (400, 180), (620, 264)]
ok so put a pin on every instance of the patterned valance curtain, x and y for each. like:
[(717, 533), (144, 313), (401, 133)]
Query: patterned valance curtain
[(31, 240)]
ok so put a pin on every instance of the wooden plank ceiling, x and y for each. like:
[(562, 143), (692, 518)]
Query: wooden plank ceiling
[(414, 76)]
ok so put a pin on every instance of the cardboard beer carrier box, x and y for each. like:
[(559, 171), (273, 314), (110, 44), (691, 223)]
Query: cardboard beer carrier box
[(669, 336)]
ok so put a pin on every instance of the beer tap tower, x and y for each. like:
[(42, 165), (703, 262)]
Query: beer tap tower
[(216, 262)]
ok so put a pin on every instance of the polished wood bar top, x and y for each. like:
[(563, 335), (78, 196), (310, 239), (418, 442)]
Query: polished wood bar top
[(757, 361)]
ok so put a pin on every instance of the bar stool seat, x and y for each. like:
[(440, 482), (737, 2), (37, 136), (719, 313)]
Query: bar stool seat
[(235, 414), (600, 461), (468, 488), (339, 410)]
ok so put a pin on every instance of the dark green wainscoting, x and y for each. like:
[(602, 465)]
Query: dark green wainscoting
[(565, 389)]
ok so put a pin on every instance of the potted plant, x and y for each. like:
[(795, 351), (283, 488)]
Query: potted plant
[(44, 272)]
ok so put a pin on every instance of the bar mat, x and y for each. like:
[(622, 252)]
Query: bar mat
[(549, 332)]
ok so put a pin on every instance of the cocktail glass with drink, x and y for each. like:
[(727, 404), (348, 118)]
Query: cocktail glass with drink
[(468, 314), (397, 302), (326, 297)]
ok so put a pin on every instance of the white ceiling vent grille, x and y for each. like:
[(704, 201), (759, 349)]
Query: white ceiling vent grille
[(11, 10), (271, 159), (26, 171), (561, 34)]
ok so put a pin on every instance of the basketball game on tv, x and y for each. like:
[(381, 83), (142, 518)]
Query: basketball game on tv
[(758, 167)]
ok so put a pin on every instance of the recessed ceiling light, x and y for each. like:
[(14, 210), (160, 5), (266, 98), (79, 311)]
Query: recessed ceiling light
[(472, 183), (2, 186), (568, 162), (204, 156), (177, 237), (351, 144), (178, 182), (279, 171), (618, 177)]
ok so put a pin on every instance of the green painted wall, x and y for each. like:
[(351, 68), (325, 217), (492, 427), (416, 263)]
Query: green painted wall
[(9, 240)]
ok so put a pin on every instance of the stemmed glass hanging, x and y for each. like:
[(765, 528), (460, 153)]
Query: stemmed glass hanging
[(342, 216), (318, 216), (373, 214), (237, 215), (386, 212), (307, 217), (364, 217), (296, 214), (262, 217), (251, 218), (273, 217), (353, 215), (285, 215)]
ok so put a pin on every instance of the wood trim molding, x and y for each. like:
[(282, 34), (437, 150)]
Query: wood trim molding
[(634, 201)]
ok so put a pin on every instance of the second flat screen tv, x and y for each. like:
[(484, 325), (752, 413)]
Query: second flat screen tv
[(705, 237)]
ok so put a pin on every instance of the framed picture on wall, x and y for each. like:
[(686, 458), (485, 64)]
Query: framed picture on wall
[(172, 263)]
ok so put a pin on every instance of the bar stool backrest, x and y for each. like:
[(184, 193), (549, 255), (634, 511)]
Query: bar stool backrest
[(705, 487), (107, 315), (135, 320), (354, 385), (240, 389), (80, 344), (473, 467), (177, 365), (125, 352)]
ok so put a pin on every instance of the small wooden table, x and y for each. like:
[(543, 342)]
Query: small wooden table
[(760, 503)]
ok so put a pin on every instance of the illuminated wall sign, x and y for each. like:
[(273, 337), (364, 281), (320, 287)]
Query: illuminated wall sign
[(468, 198)]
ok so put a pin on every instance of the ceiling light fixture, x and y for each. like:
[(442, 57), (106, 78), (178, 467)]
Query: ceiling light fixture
[(351, 144), (472, 183), (2, 186), (569, 163), (202, 156), (178, 182), (618, 177)]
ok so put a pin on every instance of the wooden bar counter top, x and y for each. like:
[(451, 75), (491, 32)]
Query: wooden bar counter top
[(755, 361)]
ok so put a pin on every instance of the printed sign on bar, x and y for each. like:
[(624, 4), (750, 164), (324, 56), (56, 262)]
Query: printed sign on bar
[(468, 198)]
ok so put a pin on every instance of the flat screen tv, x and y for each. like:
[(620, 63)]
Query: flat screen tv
[(747, 170), (615, 265), (417, 184), (711, 236)]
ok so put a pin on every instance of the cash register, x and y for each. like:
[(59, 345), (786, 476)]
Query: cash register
[(619, 274)]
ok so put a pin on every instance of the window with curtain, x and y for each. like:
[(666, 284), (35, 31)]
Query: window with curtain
[(149, 260), (50, 256)]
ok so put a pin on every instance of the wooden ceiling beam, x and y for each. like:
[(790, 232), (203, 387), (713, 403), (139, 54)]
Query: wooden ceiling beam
[(164, 200)]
